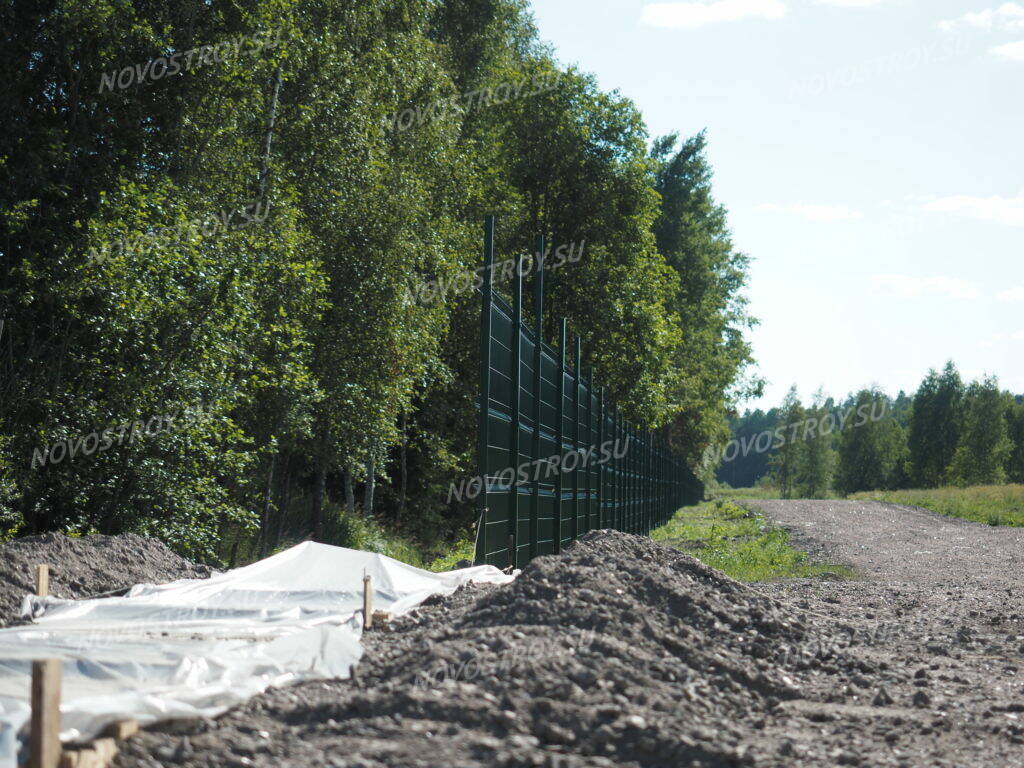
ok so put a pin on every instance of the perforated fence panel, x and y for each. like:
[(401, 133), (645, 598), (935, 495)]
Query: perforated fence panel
[(555, 459)]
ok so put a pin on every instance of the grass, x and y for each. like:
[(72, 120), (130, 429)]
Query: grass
[(760, 492), (741, 543), (464, 550), (990, 504)]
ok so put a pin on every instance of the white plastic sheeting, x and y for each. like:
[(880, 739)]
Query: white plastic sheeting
[(198, 647)]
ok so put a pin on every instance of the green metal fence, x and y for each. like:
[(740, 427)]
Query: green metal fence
[(555, 458)]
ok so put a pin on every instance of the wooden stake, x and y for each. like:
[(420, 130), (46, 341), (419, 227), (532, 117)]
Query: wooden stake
[(42, 580), (122, 729), (45, 730), (367, 602)]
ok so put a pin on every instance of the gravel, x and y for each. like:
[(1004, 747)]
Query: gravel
[(86, 566), (622, 652)]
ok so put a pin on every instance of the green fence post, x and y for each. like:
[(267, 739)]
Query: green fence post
[(601, 465), (616, 469), (560, 433), (577, 384), (628, 478), (648, 486), (591, 471), (647, 483), (538, 385), (485, 389), (643, 488), (513, 449)]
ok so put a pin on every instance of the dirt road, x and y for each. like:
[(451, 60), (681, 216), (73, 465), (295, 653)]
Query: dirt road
[(890, 542), (621, 652), (941, 605)]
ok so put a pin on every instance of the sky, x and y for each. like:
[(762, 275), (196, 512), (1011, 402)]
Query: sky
[(871, 156)]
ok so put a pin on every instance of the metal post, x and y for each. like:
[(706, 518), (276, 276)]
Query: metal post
[(647, 482), (485, 386), (620, 522), (577, 384), (513, 448), (538, 384), (589, 470), (601, 467), (560, 433), (634, 486)]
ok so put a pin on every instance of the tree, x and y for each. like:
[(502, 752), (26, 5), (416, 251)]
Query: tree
[(788, 459), (871, 446), (818, 459), (1015, 431), (934, 425), (748, 461), (985, 446), (692, 232)]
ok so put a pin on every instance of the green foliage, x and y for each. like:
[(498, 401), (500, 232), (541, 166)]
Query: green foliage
[(944, 434), (817, 464), (461, 551), (788, 459), (739, 542), (872, 447), (984, 446), (692, 233), (1015, 431), (293, 329), (934, 426)]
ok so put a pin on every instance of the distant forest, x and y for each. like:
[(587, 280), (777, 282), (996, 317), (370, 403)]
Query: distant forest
[(947, 433), (223, 229)]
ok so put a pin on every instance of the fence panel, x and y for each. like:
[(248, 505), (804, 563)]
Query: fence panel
[(555, 457)]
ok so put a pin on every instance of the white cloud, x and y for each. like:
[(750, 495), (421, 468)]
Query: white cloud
[(1011, 51), (1011, 294), (849, 3), (1019, 335), (696, 14), (913, 287), (1007, 17), (814, 212), (1003, 210)]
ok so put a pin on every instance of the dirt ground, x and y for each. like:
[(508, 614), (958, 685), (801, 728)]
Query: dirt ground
[(86, 566), (621, 652)]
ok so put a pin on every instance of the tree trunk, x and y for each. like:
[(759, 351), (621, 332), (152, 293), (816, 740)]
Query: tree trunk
[(368, 491), (319, 487), (268, 137), (264, 537), (403, 469), (282, 511), (350, 492)]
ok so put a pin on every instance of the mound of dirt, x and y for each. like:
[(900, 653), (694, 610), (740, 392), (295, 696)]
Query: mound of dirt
[(619, 652), (87, 566)]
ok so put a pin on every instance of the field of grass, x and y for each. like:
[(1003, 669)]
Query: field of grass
[(991, 504), (760, 492), (742, 544)]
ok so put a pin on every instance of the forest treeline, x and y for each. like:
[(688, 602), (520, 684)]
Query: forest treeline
[(229, 209), (946, 433)]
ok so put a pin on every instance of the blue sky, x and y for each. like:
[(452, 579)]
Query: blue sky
[(871, 156)]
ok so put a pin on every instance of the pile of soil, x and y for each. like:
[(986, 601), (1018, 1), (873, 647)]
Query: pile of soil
[(86, 566), (619, 652)]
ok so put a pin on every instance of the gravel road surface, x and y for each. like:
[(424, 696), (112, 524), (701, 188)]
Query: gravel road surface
[(622, 652), (891, 542)]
